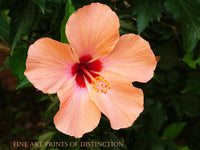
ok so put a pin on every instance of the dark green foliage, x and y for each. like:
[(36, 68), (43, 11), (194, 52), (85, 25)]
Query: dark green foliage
[(68, 11), (17, 64), (5, 4), (191, 36), (146, 11), (41, 4), (170, 120), (173, 130), (4, 26), (23, 15), (186, 11)]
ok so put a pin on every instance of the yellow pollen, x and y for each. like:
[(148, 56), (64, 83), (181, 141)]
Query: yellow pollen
[(100, 84)]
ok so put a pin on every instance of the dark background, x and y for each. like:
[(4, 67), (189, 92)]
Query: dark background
[(171, 116)]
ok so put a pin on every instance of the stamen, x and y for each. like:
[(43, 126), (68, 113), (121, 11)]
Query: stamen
[(100, 84)]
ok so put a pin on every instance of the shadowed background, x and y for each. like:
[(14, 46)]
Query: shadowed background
[(171, 116)]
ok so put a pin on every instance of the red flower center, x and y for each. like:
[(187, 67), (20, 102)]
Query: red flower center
[(85, 66)]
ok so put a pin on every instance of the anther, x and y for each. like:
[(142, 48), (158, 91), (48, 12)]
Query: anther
[(100, 84)]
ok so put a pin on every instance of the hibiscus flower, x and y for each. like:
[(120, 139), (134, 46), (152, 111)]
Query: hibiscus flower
[(94, 73)]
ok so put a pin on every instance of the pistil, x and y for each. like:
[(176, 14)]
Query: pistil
[(86, 72), (98, 83)]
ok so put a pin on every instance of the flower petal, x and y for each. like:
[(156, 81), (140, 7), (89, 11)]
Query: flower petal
[(48, 65), (132, 59), (77, 114), (122, 104), (93, 30)]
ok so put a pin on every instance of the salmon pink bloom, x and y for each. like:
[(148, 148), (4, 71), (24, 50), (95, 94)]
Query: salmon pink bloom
[(94, 73)]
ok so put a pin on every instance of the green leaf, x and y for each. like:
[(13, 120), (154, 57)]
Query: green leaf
[(184, 10), (4, 27), (127, 27), (146, 11), (22, 19), (157, 146), (188, 103), (190, 37), (155, 114), (46, 137), (23, 83), (53, 107), (5, 64), (169, 145), (173, 130), (41, 4), (193, 84), (183, 148), (17, 64), (189, 60), (69, 9)]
